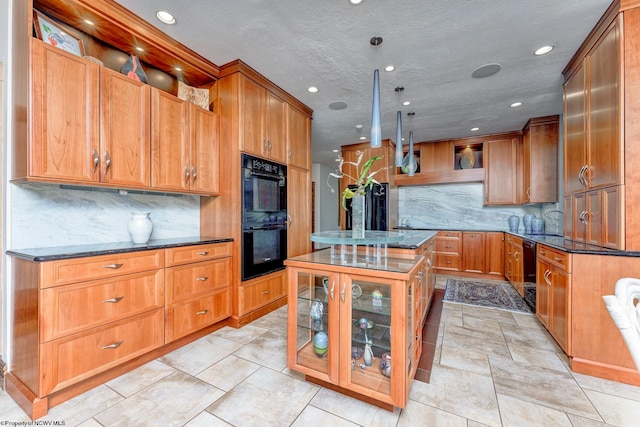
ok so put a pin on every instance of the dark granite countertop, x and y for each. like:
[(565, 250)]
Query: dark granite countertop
[(80, 251), (555, 241), (413, 239)]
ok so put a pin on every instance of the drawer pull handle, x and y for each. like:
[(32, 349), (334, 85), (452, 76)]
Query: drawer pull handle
[(114, 345), (113, 266), (114, 300), (557, 258), (265, 292), (448, 247), (202, 279), (202, 312), (203, 253)]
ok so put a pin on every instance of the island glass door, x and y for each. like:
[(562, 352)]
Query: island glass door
[(316, 324), (366, 312)]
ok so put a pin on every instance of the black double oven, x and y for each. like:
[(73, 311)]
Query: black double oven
[(264, 216)]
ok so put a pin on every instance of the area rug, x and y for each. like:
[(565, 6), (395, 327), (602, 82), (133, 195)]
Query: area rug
[(485, 294)]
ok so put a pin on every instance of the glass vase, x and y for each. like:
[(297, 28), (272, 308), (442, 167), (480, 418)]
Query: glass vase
[(357, 216)]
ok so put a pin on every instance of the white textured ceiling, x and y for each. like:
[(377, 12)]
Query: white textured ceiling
[(434, 44)]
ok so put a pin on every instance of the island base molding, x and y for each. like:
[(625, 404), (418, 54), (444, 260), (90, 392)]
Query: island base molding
[(238, 322), (386, 406), (36, 407), (609, 372)]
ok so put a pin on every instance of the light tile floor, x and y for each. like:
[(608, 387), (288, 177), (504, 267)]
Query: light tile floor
[(491, 368)]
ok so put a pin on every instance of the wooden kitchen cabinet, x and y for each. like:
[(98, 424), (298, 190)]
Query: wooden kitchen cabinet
[(117, 306), (262, 122), (553, 293), (336, 300), (299, 211), (64, 142), (184, 154), (502, 162), (473, 252), (298, 139), (383, 166), (198, 288), (259, 292), (514, 263), (594, 146), (540, 160), (449, 250), (494, 253)]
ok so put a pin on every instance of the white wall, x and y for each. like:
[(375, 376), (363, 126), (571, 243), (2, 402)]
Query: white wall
[(326, 203)]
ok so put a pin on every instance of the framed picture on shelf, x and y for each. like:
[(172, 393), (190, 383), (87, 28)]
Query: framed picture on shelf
[(52, 33)]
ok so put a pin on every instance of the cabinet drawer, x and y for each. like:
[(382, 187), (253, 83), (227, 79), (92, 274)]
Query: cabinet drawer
[(448, 262), (556, 257), (190, 280), (76, 270), (196, 253), (72, 308), (71, 359), (454, 234), (191, 316), (448, 245), (255, 295)]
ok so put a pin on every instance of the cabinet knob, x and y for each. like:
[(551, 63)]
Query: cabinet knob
[(186, 173), (107, 161)]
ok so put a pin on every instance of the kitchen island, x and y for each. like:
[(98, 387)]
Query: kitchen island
[(355, 323)]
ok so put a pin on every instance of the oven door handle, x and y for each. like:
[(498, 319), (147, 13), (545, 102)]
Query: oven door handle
[(268, 176)]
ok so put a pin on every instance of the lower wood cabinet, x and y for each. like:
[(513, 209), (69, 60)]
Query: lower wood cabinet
[(473, 252), (261, 291), (76, 318), (357, 329), (553, 293), (514, 262)]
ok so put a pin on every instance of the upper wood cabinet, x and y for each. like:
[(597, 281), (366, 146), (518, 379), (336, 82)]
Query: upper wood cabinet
[(501, 171), (126, 143), (65, 124), (383, 167), (298, 139), (263, 119), (184, 146), (593, 131), (540, 160)]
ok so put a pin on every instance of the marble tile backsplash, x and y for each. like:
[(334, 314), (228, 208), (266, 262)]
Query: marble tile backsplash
[(457, 206), (46, 215)]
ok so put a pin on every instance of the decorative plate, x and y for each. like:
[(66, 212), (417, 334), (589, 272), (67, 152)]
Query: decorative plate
[(356, 291)]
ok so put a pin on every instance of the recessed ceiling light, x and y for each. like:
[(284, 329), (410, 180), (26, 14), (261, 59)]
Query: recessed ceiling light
[(389, 68), (335, 150), (87, 21), (544, 49), (165, 17), (516, 104), (312, 89), (139, 49), (358, 126), (406, 103), (363, 138), (475, 129), (355, 1)]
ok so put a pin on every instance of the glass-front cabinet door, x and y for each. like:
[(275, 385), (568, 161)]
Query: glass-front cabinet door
[(314, 347), (367, 363)]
